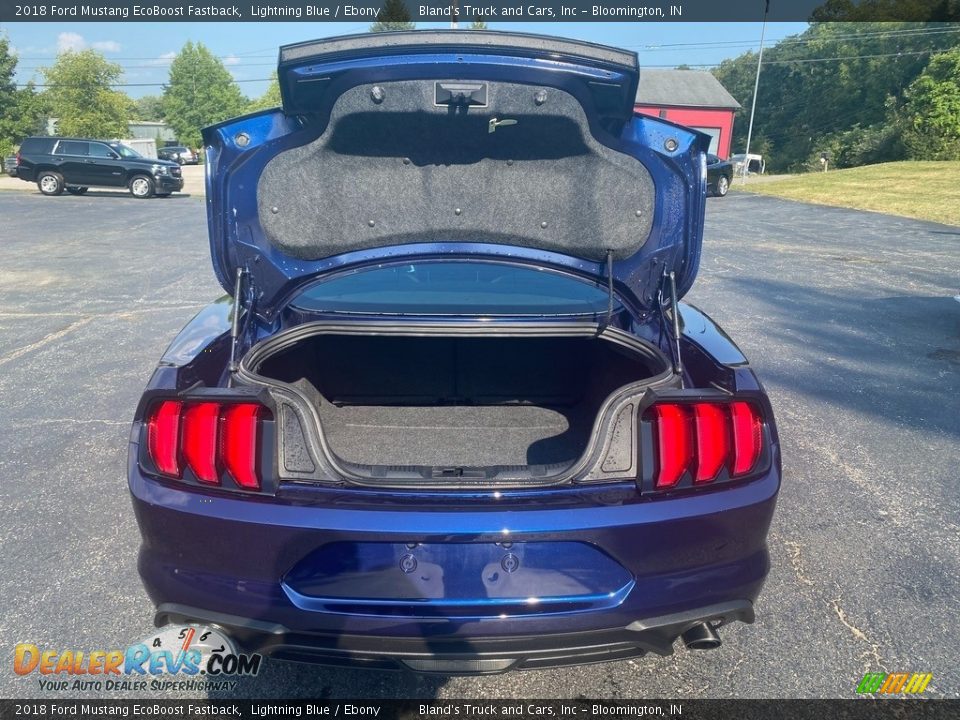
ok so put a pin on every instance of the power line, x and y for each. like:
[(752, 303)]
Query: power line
[(645, 65), (155, 66), (836, 58), (793, 40), (123, 85), (272, 52), (857, 57)]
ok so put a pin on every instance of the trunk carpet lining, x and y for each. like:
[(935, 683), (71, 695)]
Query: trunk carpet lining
[(457, 436)]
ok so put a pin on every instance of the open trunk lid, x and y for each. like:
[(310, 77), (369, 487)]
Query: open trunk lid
[(405, 146)]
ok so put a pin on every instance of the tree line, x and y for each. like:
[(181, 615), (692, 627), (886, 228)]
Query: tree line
[(860, 93), (80, 90)]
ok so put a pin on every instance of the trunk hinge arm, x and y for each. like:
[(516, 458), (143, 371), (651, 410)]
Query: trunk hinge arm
[(605, 323), (670, 281), (240, 303)]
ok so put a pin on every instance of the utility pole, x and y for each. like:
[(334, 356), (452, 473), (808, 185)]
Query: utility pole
[(454, 7), (753, 104)]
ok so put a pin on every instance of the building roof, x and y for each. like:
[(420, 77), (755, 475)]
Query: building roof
[(684, 88)]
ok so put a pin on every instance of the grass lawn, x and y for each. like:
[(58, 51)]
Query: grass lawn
[(924, 190)]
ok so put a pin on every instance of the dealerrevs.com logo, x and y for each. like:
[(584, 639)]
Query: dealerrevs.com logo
[(177, 657)]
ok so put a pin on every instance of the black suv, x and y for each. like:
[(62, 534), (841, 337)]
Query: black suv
[(75, 164)]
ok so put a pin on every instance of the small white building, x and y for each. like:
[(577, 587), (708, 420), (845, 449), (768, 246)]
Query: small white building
[(142, 135), (159, 131), (145, 146)]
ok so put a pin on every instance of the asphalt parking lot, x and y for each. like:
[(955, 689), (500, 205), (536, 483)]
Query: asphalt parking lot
[(849, 318)]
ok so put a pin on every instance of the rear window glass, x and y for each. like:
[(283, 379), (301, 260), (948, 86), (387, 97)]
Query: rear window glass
[(455, 288), (100, 150), (125, 150), (72, 147), (37, 145)]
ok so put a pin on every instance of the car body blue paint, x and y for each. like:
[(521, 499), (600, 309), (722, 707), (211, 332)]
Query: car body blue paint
[(318, 571)]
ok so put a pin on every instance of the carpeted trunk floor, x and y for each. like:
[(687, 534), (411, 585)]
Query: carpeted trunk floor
[(464, 436)]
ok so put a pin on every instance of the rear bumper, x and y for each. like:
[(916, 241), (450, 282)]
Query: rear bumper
[(228, 560), (462, 655)]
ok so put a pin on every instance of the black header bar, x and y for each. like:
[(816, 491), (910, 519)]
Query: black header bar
[(490, 11)]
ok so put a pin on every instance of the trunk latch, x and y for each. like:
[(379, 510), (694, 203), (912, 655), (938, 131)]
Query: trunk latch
[(457, 472), (459, 93)]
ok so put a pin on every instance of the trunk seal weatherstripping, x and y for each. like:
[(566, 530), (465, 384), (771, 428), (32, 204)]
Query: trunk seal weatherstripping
[(592, 456)]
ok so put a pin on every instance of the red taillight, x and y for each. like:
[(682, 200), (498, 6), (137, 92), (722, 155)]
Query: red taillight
[(206, 437), (18, 160), (702, 439), (239, 444), (747, 437), (200, 440), (713, 446), (163, 435), (674, 446)]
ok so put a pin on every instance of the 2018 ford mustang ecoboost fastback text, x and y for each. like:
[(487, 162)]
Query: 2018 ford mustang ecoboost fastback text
[(451, 414)]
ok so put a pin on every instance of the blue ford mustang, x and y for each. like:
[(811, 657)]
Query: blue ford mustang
[(452, 415)]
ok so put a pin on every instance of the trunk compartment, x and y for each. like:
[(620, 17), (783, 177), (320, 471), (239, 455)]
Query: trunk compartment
[(454, 404)]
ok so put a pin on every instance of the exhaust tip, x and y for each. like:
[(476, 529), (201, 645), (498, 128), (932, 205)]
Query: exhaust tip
[(701, 637)]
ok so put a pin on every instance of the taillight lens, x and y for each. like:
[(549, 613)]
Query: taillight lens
[(207, 437), (163, 437), (674, 443), (239, 443), (713, 448), (18, 160), (704, 441), (200, 440), (747, 437)]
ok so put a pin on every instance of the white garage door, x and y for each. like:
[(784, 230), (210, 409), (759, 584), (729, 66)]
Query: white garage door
[(714, 134)]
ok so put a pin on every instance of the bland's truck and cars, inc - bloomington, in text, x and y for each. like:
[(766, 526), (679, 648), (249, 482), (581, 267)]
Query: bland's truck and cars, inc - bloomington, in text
[(199, 12)]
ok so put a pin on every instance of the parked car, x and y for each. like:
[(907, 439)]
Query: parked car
[(56, 164), (179, 154), (451, 414), (10, 165), (719, 175), (757, 165)]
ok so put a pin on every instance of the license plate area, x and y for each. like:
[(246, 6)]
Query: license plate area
[(465, 579)]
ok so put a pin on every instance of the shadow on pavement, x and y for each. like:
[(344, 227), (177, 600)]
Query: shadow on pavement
[(894, 357)]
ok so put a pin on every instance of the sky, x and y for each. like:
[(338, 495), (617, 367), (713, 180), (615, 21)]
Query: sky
[(249, 50)]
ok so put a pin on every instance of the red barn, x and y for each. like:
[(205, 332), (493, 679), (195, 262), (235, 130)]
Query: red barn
[(694, 98)]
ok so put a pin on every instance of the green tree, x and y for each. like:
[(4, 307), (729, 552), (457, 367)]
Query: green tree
[(22, 110), (8, 68), (888, 10), (931, 115), (269, 99), (149, 107), (80, 95), (8, 94), (833, 78), (478, 25), (201, 92), (29, 114), (393, 16)]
